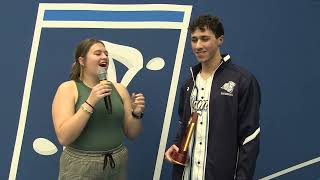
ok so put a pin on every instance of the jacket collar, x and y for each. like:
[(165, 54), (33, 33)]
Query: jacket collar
[(197, 68)]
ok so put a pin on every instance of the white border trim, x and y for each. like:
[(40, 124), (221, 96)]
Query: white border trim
[(172, 93), (293, 168), (26, 96), (107, 24), (115, 7)]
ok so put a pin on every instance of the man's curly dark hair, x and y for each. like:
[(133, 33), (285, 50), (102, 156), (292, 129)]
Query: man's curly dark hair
[(207, 21)]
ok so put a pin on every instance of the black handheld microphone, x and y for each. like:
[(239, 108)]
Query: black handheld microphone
[(102, 75)]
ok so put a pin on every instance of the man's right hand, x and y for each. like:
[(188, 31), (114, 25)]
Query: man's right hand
[(170, 151)]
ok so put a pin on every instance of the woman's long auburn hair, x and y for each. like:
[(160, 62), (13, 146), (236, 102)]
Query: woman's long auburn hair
[(81, 50)]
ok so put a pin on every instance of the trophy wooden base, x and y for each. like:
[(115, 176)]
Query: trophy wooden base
[(180, 158)]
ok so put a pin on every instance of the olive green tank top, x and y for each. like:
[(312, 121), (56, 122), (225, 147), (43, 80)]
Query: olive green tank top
[(103, 131)]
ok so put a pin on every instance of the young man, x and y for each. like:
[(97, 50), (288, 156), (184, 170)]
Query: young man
[(225, 142)]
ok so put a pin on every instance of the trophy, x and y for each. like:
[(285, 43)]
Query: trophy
[(181, 156)]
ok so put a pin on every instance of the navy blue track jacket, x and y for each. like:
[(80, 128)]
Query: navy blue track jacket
[(233, 137)]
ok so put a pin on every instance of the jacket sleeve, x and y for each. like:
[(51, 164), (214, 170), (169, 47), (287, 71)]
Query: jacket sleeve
[(180, 128), (249, 130), (177, 170)]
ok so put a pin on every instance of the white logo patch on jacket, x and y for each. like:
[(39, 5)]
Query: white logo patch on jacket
[(229, 87)]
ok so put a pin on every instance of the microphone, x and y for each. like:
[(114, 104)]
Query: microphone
[(102, 75)]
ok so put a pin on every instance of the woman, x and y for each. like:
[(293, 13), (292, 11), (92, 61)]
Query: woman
[(93, 137)]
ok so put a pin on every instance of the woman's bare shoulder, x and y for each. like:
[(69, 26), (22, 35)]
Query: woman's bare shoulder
[(68, 89), (122, 90), (67, 85)]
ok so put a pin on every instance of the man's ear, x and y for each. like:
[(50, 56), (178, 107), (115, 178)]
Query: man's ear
[(220, 40), (81, 61)]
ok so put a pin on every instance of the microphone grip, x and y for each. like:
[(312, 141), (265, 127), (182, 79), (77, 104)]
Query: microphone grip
[(107, 100), (108, 104)]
